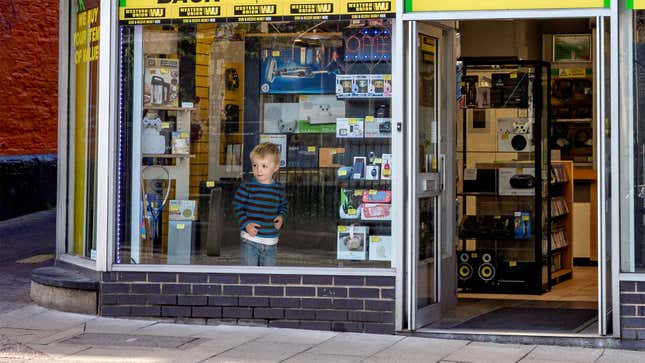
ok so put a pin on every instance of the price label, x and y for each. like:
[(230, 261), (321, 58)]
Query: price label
[(342, 172), (387, 77), (351, 211), (210, 184), (369, 118), (275, 53), (470, 174), (375, 239), (358, 192), (165, 125), (513, 75), (181, 226), (311, 149), (352, 121), (525, 218), (174, 208), (378, 161), (342, 229), (373, 192), (512, 263), (504, 136)]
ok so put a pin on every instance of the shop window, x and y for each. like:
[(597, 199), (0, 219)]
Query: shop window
[(197, 98), (82, 128), (633, 256)]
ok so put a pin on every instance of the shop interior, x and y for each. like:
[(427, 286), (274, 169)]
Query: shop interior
[(526, 246)]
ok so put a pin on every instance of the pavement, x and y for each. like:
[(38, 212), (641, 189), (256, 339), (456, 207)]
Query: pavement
[(30, 333)]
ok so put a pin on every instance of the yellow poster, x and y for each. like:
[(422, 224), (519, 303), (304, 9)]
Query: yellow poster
[(635, 4), (460, 5), (190, 11)]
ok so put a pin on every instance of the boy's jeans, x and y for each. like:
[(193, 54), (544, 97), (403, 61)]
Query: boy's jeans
[(257, 254)]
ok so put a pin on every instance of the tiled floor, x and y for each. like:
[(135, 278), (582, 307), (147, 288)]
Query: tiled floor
[(580, 292)]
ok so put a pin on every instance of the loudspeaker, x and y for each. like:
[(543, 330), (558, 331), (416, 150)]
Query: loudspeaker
[(477, 270), (464, 269), (515, 134)]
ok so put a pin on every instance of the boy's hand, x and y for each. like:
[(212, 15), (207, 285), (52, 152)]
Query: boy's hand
[(277, 222), (252, 229)]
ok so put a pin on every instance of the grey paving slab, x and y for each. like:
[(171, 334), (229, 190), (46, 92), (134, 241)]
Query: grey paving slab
[(116, 326), (57, 350), (11, 350), (260, 352), (172, 330), (50, 320), (125, 355), (128, 340), (27, 335), (307, 357), (248, 332), (61, 335), (356, 344), (413, 349), (621, 356), (544, 353), (490, 352), (297, 336), (21, 314)]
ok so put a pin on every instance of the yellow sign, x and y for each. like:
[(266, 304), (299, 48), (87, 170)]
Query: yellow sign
[(193, 11), (572, 72), (635, 4), (458, 5)]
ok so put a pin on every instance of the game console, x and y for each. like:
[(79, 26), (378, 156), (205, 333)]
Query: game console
[(515, 134), (320, 109)]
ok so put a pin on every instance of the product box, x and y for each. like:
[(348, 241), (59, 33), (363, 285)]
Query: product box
[(522, 225), (515, 134), (308, 156), (331, 157), (349, 127), (360, 86), (358, 167), (180, 142), (387, 85), (372, 172), (292, 156), (386, 166), (350, 203), (380, 248), (377, 196), (182, 210), (160, 82), (377, 85), (304, 127), (280, 117), (299, 70), (376, 212), (344, 84), (516, 181), (281, 142), (320, 109), (378, 127), (352, 242)]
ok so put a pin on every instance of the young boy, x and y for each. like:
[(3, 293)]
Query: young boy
[(260, 206)]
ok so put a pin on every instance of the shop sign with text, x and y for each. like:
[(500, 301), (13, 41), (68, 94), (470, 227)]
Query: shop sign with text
[(464, 5), (197, 11), (635, 4)]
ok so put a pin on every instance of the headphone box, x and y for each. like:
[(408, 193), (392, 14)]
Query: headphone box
[(182, 210)]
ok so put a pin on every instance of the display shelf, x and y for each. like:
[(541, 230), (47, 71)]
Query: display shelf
[(168, 156), (561, 207), (502, 175)]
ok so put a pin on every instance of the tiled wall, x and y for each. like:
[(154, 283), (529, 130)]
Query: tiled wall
[(340, 303), (632, 310)]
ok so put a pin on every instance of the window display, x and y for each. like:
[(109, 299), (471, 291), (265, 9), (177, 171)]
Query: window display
[(319, 91)]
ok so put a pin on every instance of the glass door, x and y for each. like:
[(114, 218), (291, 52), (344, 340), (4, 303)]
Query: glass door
[(431, 263)]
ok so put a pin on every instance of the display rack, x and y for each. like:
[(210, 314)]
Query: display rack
[(503, 187), (561, 216)]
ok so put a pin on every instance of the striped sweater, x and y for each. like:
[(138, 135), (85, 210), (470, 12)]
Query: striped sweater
[(260, 203)]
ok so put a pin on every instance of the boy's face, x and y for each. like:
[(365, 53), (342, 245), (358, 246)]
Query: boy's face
[(264, 167)]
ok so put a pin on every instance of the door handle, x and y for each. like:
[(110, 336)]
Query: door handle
[(442, 171)]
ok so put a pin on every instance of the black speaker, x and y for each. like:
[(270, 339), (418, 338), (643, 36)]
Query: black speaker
[(477, 271), (465, 270)]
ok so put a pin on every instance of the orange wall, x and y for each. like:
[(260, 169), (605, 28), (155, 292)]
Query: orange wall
[(28, 76)]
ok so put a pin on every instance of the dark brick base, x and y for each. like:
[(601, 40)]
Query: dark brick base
[(632, 310), (27, 184), (339, 303)]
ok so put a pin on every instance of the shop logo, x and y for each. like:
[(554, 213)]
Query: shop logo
[(80, 6)]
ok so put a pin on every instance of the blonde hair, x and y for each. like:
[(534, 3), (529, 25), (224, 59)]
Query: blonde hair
[(265, 149)]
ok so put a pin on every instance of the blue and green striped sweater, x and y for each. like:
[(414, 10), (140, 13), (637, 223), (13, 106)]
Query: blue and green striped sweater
[(261, 204)]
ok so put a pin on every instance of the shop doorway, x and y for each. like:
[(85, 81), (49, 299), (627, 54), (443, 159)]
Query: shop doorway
[(527, 149)]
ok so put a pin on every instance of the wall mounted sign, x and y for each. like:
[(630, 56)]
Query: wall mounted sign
[(462, 5), (201, 11), (635, 4)]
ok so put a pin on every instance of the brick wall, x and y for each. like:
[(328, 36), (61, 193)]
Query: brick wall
[(29, 76), (340, 303), (632, 310)]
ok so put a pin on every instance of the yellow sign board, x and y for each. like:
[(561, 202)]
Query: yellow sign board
[(193, 11), (635, 4), (461, 5)]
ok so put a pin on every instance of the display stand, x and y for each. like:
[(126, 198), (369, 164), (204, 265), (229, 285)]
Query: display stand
[(561, 215), (503, 188)]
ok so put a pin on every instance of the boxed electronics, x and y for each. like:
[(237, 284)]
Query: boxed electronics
[(480, 181), (281, 142), (349, 127), (182, 210), (350, 203), (352, 242), (161, 82), (515, 134), (517, 181), (320, 109), (380, 248), (378, 127), (333, 157)]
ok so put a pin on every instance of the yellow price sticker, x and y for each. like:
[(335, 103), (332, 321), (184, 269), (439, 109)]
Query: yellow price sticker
[(311, 149), (473, 255), (504, 136), (174, 208), (512, 263), (375, 239), (352, 121), (372, 192), (387, 77), (513, 75), (181, 226), (165, 125), (342, 172), (275, 53), (525, 218), (378, 161), (342, 229), (369, 118), (184, 134), (351, 211), (519, 170), (210, 184), (358, 192)]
